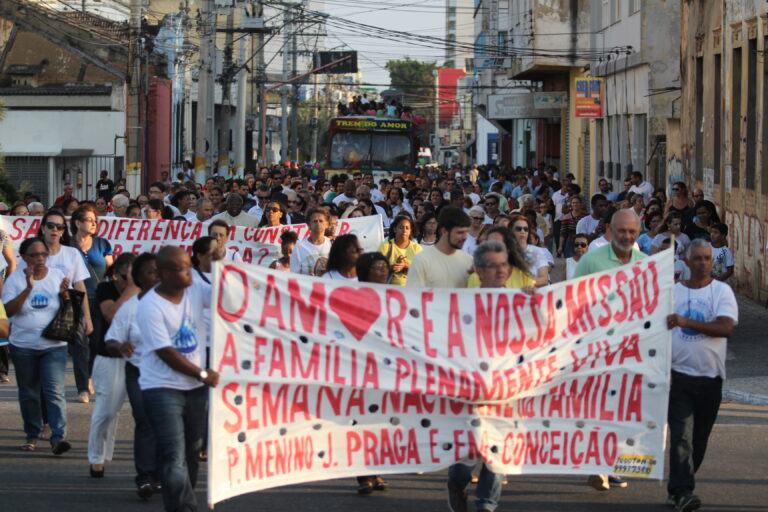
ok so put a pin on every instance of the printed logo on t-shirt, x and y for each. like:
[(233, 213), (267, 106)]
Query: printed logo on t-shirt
[(320, 265), (39, 301), (185, 339), (697, 310)]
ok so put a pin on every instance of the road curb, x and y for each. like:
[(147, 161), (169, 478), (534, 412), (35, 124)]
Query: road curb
[(744, 397)]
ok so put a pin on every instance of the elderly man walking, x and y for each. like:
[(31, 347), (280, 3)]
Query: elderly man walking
[(705, 313)]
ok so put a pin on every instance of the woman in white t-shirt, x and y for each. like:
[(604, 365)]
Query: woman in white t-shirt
[(343, 257), (310, 256), (31, 297), (538, 266), (69, 260)]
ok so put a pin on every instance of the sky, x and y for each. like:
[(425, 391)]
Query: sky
[(418, 16)]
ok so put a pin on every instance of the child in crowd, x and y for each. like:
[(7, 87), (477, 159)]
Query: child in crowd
[(721, 254)]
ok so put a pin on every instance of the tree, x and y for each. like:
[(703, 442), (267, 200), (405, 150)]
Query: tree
[(412, 76), (416, 80)]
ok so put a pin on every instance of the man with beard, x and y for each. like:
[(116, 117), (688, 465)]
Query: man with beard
[(444, 265)]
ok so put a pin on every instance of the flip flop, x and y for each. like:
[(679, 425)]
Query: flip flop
[(29, 446)]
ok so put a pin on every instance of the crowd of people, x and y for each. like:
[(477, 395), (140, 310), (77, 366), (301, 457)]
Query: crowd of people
[(446, 228)]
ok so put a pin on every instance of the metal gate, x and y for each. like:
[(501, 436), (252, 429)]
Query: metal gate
[(28, 174), (83, 172)]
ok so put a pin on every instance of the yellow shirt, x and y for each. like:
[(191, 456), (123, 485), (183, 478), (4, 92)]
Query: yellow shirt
[(393, 252), (517, 279)]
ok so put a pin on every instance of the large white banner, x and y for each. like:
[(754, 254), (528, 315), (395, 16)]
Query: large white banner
[(324, 379), (259, 246)]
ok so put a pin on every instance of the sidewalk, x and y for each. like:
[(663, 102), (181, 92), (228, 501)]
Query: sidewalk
[(747, 360)]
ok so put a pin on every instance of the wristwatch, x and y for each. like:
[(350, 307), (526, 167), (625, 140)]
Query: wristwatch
[(203, 375)]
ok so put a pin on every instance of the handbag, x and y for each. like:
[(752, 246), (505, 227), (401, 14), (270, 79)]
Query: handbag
[(65, 324)]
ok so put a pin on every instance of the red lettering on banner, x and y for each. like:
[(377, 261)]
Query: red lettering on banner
[(331, 397), (604, 286), (157, 233), (635, 400), (517, 343), (394, 329), (144, 229), (432, 444), (231, 427), (427, 325), (229, 356), (310, 310), (621, 282), (371, 372), (226, 315), (455, 337), (356, 399), (16, 229), (651, 302), (344, 228), (277, 362), (251, 405), (484, 322), (311, 370), (635, 295), (33, 228), (271, 309), (232, 460), (579, 313)]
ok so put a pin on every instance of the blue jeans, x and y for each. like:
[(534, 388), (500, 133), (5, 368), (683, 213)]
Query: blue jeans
[(144, 449), (488, 489), (177, 418), (36, 371)]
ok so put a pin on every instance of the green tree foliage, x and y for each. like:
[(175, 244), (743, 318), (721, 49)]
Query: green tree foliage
[(412, 76)]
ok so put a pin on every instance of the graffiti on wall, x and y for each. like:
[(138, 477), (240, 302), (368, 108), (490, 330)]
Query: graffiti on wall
[(748, 240)]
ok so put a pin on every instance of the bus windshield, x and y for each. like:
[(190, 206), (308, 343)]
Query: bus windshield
[(370, 151)]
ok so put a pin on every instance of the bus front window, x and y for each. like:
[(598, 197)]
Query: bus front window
[(350, 150), (391, 151)]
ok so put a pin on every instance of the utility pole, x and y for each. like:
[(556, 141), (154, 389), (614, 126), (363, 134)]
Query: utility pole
[(314, 122), (238, 145), (294, 99), (284, 90), (226, 97), (205, 92), (133, 132)]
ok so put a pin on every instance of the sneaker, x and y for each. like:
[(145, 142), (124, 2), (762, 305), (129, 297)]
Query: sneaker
[(457, 499), (617, 481), (599, 482), (687, 503), (145, 491)]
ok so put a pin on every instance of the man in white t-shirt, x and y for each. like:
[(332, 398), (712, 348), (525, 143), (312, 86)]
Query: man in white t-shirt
[(173, 379), (705, 314), (641, 187), (588, 225), (444, 265), (349, 194)]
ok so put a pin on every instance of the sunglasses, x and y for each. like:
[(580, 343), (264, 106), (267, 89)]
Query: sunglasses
[(37, 255), (521, 229), (271, 209), (675, 190), (580, 245), (53, 225)]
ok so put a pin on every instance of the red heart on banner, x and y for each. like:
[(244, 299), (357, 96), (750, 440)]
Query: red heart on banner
[(356, 308)]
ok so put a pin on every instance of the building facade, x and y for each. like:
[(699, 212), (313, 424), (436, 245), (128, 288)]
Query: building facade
[(724, 124), (641, 89)]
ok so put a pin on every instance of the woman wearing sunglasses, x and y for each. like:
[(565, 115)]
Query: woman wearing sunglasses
[(274, 215), (31, 297), (580, 248)]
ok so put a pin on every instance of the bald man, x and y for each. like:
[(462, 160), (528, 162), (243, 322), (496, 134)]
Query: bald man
[(173, 380), (234, 214), (625, 228)]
